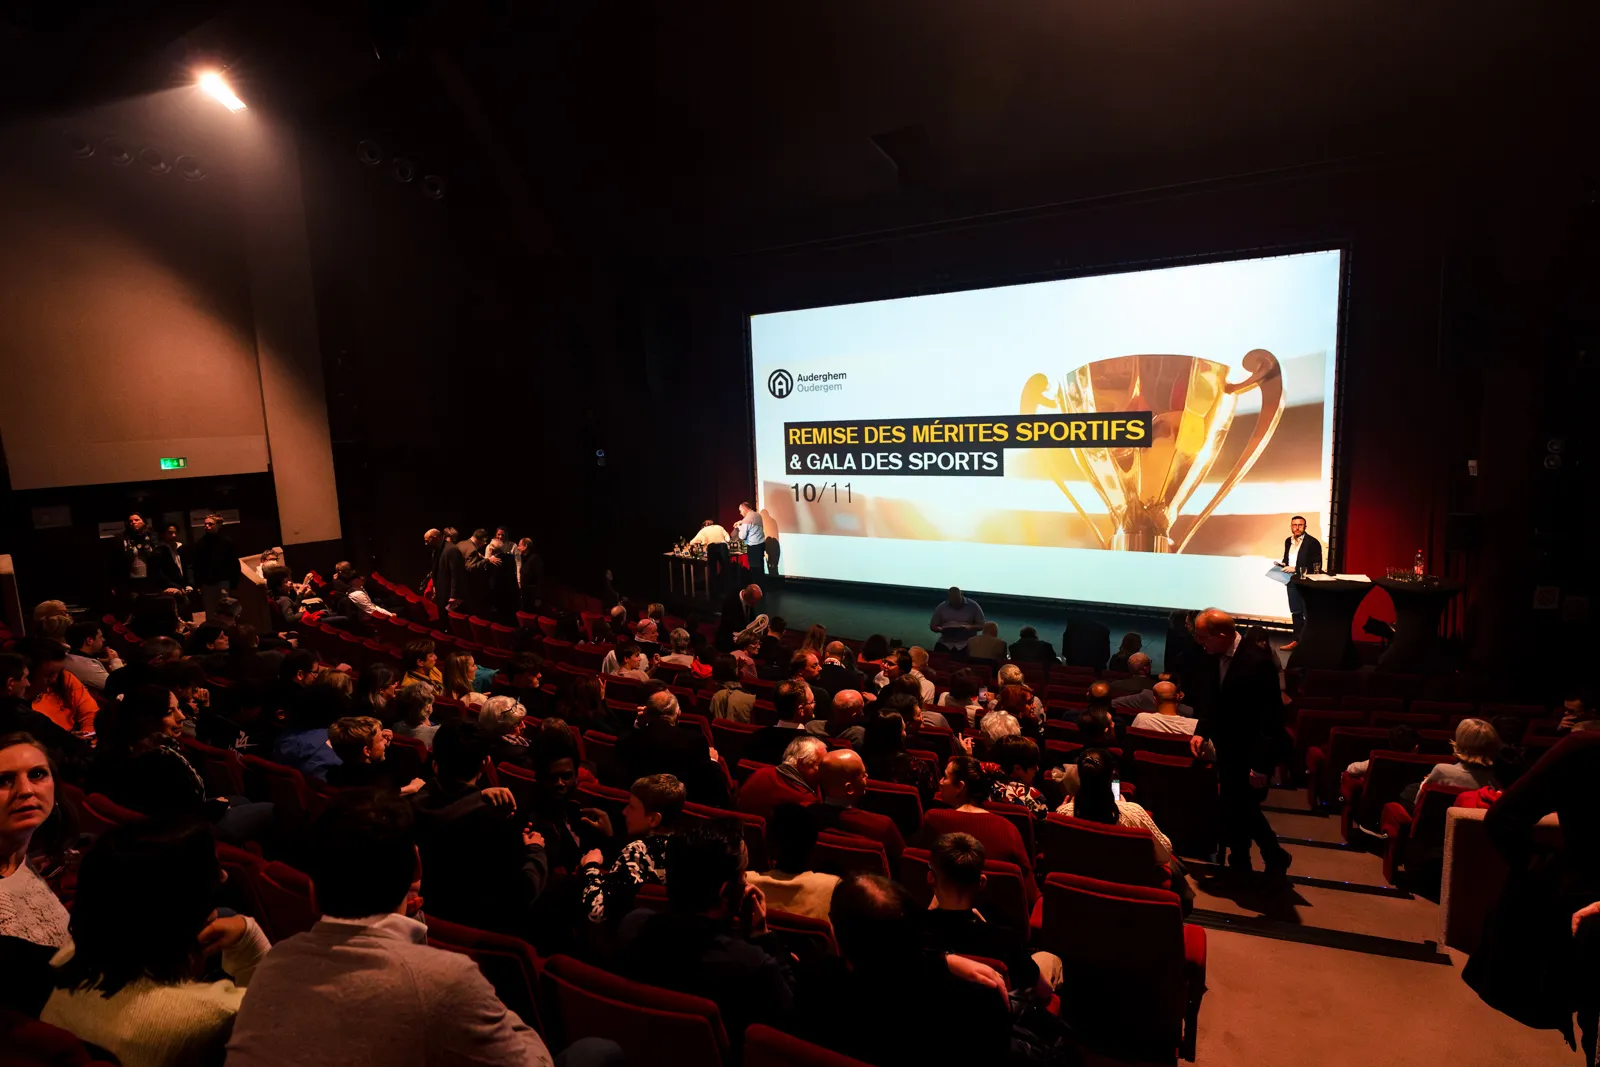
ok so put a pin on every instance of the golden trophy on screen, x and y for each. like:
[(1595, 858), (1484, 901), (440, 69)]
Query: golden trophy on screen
[(1191, 403)]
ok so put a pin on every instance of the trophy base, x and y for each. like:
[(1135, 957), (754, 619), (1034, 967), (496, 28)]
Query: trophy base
[(1141, 540)]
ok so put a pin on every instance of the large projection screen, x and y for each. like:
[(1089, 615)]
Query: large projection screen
[(1140, 438)]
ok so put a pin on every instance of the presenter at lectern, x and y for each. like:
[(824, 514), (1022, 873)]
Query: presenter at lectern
[(1302, 554)]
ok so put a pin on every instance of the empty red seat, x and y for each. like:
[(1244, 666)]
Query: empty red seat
[(1417, 720), (460, 624), (1325, 763), (754, 826), (285, 896), (602, 750), (729, 738), (655, 1026), (902, 803), (1099, 850), (1416, 834), (527, 620), (1139, 971), (590, 655), (843, 854), (1180, 792), (1370, 704), (1311, 730)]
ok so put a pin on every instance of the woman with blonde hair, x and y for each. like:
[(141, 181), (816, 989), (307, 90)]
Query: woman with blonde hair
[(816, 641), (459, 670), (1476, 745)]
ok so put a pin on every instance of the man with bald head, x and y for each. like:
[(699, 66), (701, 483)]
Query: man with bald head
[(1169, 716), (1138, 679), (849, 707), (844, 784), (1233, 687)]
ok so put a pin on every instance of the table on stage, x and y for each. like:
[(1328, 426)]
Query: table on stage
[(1418, 604), (1324, 642), (690, 576)]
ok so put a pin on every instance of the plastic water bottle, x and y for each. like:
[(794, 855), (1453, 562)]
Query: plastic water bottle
[(1420, 568)]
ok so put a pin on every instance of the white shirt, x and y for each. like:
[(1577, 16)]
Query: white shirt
[(1226, 660), (1294, 550), (1156, 722), (364, 603), (710, 535)]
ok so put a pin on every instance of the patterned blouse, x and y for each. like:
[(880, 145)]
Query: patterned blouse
[(608, 894), (1025, 795)]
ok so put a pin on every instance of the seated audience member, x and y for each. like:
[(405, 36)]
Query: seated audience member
[(630, 663), (458, 673), (502, 723), (1138, 676), (883, 962), (280, 700), (987, 645), (844, 784), (1131, 644), (1096, 802), (874, 651), (568, 830), (918, 671), (884, 752), (844, 718), (362, 745), (139, 764), (208, 640), (964, 789), (838, 672), (796, 709), (791, 885), (153, 652), (1096, 732), (679, 653), (376, 687), (54, 692), (807, 667), (1011, 674), (993, 727), (367, 959), (658, 745), (303, 743), (421, 665), (1027, 648), (713, 941), (1168, 716), (413, 714), (285, 602), (1402, 738), (354, 591), (954, 923), (654, 805), (33, 838), (1015, 705), (1476, 745), (1578, 713), (46, 610), (523, 679), (816, 640), (794, 781), (963, 695), (1018, 760), (584, 706), (71, 754), (144, 911), (482, 865), (731, 701), (1145, 700), (89, 659)]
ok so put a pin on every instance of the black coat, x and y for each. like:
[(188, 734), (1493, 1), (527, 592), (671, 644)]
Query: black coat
[(450, 576), (661, 748), (216, 559), (1032, 650), (735, 617), (1242, 713), (1310, 557), (1086, 643), (834, 678)]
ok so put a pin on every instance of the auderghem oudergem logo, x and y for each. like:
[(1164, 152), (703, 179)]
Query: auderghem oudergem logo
[(780, 383)]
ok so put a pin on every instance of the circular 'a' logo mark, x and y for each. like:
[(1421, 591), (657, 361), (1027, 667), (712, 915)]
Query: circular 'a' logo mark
[(780, 383)]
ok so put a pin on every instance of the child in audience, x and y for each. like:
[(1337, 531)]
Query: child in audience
[(1018, 760), (654, 804)]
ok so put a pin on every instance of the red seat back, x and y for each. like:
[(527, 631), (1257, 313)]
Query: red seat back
[(902, 803), (655, 1026), (766, 1047), (1157, 741), (28, 1042), (1387, 774), (460, 625), (99, 814), (1417, 720), (1180, 792), (285, 897), (754, 827), (1098, 850), (1370, 704), (730, 738), (509, 963), (1021, 818), (843, 854), (1312, 727), (803, 930), (602, 749)]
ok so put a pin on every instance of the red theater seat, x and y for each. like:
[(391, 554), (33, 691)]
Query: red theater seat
[(654, 1026), (510, 964), (766, 1047), (1123, 854)]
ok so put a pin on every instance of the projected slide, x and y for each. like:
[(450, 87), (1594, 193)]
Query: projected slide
[(1138, 438)]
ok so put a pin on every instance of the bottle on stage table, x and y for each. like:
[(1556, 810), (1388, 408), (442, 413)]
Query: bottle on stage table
[(1420, 568)]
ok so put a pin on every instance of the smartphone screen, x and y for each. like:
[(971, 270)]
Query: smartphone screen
[(1116, 789)]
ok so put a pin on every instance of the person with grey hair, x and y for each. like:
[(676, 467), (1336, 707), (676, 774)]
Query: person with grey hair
[(678, 654), (502, 722), (796, 780), (1476, 745), (998, 724), (658, 745), (1138, 680)]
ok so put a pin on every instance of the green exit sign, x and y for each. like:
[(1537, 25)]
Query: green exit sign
[(174, 463)]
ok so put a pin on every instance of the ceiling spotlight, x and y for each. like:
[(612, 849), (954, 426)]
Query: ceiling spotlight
[(188, 169), (213, 85), (117, 152), (370, 152), (402, 169), (80, 146), (433, 186), (154, 160)]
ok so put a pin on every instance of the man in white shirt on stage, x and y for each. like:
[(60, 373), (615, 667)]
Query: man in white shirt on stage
[(1302, 554), (715, 539)]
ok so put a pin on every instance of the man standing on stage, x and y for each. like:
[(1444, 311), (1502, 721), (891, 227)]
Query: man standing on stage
[(749, 530), (1233, 687), (1302, 554), (955, 621)]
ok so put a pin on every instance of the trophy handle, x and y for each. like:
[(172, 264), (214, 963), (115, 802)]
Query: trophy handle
[(1036, 395), (1267, 375)]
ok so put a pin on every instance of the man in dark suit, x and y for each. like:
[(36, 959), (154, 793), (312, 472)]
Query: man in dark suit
[(450, 571), (1086, 643), (833, 676), (1027, 648), (1138, 679), (797, 708), (739, 609), (1233, 687), (660, 746), (1302, 554)]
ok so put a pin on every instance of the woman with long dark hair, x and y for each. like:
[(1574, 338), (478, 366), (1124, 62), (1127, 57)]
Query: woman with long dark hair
[(376, 688), (883, 750), (144, 917), (33, 924), (1096, 801)]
